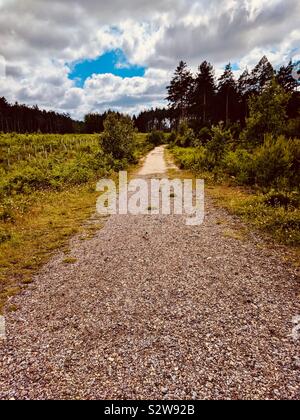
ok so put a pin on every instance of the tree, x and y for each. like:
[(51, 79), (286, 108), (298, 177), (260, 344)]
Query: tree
[(203, 93), (285, 78), (227, 96), (180, 89), (24, 119), (267, 114), (244, 91), (118, 138), (261, 75)]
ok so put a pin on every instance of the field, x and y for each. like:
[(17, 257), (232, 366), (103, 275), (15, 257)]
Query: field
[(276, 212), (47, 191)]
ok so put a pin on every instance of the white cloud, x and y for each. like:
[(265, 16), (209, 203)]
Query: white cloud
[(38, 38)]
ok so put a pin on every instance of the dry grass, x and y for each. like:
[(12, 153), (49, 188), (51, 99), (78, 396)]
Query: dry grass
[(47, 226)]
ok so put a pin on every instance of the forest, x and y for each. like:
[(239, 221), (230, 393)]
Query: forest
[(245, 134), (200, 98), (205, 101)]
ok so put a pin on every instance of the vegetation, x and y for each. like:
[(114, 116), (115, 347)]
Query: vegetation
[(239, 134), (156, 138), (118, 138), (47, 191), (205, 101)]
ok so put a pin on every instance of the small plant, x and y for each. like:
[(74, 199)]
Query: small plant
[(4, 236), (70, 260)]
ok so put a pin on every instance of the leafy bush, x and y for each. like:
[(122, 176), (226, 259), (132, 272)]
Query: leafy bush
[(240, 164), (217, 147), (204, 135), (186, 136), (156, 138), (118, 138), (172, 138), (190, 158), (277, 163)]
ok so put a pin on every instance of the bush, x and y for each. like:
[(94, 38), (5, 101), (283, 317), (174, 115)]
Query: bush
[(190, 158), (277, 163), (156, 138), (217, 147), (240, 165), (282, 199), (186, 136), (172, 138), (118, 138), (204, 136)]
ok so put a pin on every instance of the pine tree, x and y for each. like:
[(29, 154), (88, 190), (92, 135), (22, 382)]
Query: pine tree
[(285, 77), (261, 75), (244, 91), (179, 90), (227, 95), (204, 93), (244, 83)]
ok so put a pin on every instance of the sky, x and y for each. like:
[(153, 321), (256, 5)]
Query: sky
[(89, 56)]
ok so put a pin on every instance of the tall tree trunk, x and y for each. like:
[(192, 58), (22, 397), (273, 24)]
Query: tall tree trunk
[(204, 108), (227, 109)]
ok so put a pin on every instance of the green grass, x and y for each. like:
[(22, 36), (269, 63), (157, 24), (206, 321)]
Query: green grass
[(280, 222), (47, 192)]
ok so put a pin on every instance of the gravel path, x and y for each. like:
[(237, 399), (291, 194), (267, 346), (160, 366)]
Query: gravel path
[(154, 163), (153, 309)]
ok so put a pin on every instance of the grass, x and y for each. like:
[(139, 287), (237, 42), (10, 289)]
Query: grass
[(47, 226), (37, 218), (279, 224)]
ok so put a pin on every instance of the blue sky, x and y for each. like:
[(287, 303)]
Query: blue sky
[(112, 62)]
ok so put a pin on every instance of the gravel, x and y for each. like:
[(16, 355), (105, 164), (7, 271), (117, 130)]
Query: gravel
[(188, 313)]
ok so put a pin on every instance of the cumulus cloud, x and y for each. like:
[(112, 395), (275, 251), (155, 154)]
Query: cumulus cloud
[(41, 39)]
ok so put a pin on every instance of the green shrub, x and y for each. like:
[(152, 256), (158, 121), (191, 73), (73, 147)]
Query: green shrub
[(172, 138), (156, 138), (186, 136), (240, 164), (276, 163), (204, 135), (190, 158), (118, 138), (217, 148), (267, 115)]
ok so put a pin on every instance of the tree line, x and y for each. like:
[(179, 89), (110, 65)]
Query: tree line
[(205, 101), (201, 99), (20, 118)]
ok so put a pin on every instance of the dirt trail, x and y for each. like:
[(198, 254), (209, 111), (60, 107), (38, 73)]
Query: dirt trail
[(154, 163), (154, 309)]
